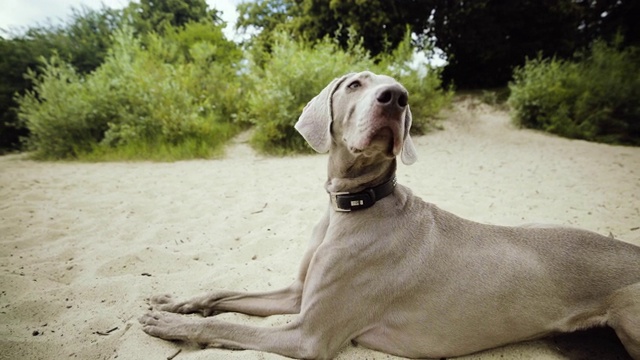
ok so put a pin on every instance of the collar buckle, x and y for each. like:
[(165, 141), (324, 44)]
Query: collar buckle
[(334, 201), (347, 202)]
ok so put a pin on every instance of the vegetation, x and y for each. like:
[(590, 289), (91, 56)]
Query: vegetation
[(594, 97), (169, 89), (142, 102), (483, 40), (295, 72), (83, 42), (159, 80), (156, 16)]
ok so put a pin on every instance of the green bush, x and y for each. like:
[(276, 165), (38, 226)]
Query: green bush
[(184, 94), (143, 102), (292, 75), (58, 112), (593, 98), (294, 72)]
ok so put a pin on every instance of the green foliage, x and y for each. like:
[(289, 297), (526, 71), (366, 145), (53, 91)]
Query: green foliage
[(192, 33), (83, 41), (486, 39), (594, 97), (154, 16), (266, 19), (86, 38), (17, 56), (61, 126), (265, 15), (171, 86), (381, 24), (180, 61), (136, 104), (292, 75), (295, 72), (483, 39)]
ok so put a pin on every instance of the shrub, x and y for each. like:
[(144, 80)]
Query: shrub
[(184, 94), (58, 111), (294, 72), (594, 97), (143, 102), (292, 75)]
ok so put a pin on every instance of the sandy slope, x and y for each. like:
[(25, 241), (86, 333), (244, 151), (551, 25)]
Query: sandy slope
[(82, 245)]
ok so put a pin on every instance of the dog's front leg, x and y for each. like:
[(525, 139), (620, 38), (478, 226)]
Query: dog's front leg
[(288, 340), (283, 301)]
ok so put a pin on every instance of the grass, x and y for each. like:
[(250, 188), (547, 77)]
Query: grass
[(196, 147)]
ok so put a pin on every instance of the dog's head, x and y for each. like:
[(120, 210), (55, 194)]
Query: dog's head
[(367, 114)]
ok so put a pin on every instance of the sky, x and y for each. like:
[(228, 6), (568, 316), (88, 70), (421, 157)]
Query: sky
[(27, 13)]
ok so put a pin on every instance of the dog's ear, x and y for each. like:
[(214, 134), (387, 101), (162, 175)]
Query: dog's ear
[(408, 154), (314, 123)]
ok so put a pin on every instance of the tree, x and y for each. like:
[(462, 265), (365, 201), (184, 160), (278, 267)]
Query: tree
[(607, 19), (83, 41), (266, 18), (484, 40), (224, 51), (16, 56), (154, 15), (87, 37), (265, 15), (381, 24)]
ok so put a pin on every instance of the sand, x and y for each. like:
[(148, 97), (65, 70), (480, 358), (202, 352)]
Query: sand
[(82, 245)]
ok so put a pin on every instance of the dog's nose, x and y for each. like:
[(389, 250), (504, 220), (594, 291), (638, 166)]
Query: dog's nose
[(393, 95)]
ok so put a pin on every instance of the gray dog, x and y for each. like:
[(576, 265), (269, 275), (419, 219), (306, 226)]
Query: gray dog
[(396, 274)]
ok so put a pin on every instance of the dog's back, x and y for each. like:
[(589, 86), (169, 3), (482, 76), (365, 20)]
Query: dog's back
[(529, 281)]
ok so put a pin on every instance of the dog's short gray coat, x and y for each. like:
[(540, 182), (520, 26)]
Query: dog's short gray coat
[(405, 277)]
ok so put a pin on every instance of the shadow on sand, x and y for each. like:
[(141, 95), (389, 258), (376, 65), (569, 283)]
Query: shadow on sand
[(591, 344)]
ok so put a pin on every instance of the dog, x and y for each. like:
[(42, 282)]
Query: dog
[(396, 274)]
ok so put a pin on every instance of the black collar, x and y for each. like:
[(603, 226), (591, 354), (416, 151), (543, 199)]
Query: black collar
[(346, 201)]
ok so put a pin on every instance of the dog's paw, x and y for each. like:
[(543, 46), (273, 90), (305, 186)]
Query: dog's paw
[(166, 325), (161, 299), (167, 302)]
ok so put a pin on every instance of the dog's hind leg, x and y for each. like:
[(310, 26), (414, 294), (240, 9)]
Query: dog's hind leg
[(624, 318)]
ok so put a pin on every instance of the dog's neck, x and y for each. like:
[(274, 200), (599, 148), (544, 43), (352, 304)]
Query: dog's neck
[(349, 173)]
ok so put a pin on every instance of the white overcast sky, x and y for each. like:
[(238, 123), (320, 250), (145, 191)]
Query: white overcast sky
[(25, 13)]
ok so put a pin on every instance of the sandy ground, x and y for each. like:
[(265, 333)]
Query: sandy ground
[(82, 245)]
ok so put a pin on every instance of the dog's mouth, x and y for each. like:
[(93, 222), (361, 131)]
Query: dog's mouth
[(381, 141)]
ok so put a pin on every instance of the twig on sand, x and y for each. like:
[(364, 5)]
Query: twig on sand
[(261, 210), (174, 355), (107, 332)]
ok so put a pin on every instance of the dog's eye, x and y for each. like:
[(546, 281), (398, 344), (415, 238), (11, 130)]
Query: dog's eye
[(354, 85)]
